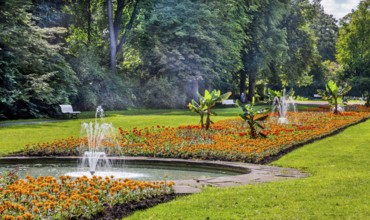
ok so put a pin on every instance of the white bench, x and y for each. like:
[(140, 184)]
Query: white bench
[(228, 102), (317, 96), (68, 110)]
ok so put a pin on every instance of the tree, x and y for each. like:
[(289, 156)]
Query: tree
[(93, 19), (353, 47), (84, 27), (35, 78), (325, 29), (267, 43), (194, 43), (302, 52), (115, 27)]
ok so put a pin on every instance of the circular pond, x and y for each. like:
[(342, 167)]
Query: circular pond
[(142, 169)]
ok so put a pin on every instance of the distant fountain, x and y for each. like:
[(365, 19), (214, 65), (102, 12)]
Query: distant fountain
[(96, 132), (282, 104)]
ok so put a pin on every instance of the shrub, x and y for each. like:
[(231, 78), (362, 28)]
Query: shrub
[(160, 92)]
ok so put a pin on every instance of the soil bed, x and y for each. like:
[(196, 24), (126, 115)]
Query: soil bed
[(124, 210)]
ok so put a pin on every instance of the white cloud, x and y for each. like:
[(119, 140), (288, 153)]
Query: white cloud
[(339, 8)]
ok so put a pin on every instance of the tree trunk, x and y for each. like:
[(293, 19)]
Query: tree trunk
[(243, 79), (336, 106), (202, 121), (252, 84), (118, 18), (115, 28), (243, 74), (195, 89), (112, 38), (208, 119), (128, 27)]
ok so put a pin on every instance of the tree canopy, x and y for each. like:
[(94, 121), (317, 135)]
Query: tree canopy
[(353, 46), (160, 53)]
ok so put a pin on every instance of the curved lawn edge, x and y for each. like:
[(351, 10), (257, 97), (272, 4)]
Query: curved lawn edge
[(337, 188), (295, 146)]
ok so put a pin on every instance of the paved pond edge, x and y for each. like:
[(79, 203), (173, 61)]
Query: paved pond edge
[(249, 173)]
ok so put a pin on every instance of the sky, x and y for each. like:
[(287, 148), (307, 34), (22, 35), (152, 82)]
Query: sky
[(339, 8)]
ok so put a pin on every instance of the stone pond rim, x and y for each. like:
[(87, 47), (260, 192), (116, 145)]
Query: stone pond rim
[(249, 173)]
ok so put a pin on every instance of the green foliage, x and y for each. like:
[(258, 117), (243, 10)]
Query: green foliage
[(353, 46), (88, 21), (97, 86), (35, 78), (266, 46), (279, 94), (206, 102), (199, 108), (159, 92), (325, 29), (322, 32), (334, 94), (188, 41), (353, 42), (9, 177), (250, 115), (302, 51)]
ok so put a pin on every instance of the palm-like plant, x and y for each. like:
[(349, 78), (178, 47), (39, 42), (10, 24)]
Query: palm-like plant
[(250, 115), (206, 102), (334, 94)]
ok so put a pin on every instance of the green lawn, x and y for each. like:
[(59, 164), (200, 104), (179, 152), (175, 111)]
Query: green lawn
[(15, 137), (338, 188)]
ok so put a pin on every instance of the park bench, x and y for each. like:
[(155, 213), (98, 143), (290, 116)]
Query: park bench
[(68, 110), (228, 102)]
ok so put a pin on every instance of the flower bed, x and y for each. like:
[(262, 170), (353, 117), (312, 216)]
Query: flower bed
[(226, 140), (66, 198)]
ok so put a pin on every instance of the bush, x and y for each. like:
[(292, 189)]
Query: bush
[(160, 92), (34, 77), (98, 86)]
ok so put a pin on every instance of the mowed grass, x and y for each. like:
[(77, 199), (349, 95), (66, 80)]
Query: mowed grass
[(13, 138), (338, 187)]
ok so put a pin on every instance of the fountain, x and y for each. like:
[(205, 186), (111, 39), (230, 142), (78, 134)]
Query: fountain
[(282, 104), (96, 132)]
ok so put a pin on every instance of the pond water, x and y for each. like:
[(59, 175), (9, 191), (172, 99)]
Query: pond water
[(137, 171)]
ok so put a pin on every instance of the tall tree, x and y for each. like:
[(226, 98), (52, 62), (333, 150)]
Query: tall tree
[(353, 46), (87, 22), (302, 53), (34, 77), (190, 41), (326, 31), (115, 27), (267, 43)]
